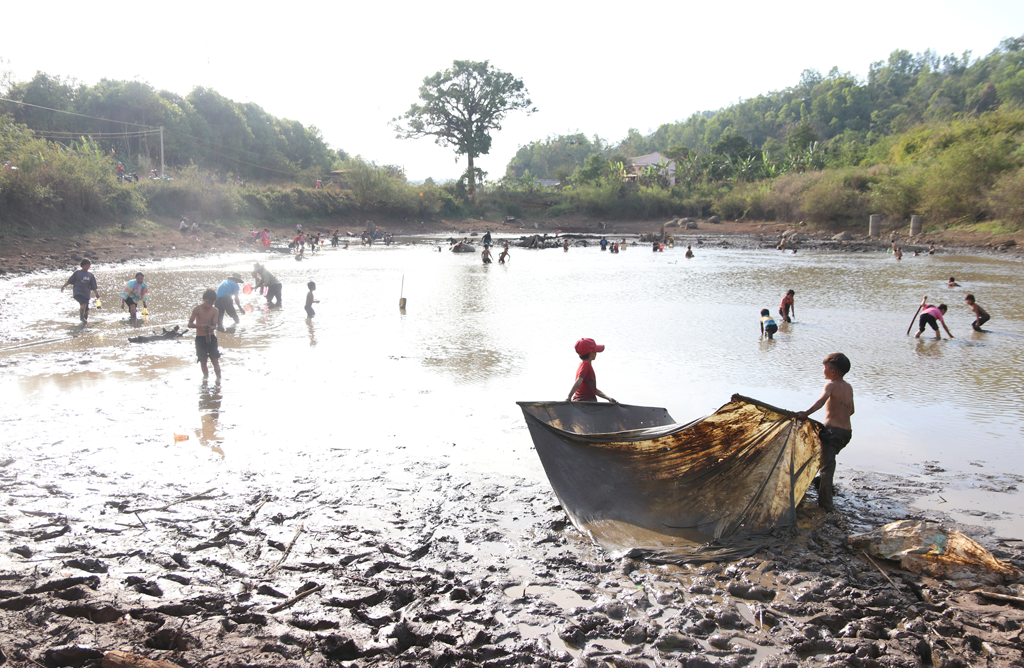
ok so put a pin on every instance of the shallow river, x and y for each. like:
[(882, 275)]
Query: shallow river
[(365, 386)]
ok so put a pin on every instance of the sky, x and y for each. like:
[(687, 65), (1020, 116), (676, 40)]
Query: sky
[(350, 67)]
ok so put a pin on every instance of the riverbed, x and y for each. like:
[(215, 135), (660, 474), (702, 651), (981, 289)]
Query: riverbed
[(379, 454)]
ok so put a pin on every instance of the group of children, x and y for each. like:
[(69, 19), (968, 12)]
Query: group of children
[(787, 308), (836, 397)]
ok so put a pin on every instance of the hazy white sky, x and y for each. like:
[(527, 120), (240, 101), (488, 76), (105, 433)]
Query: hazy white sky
[(350, 67)]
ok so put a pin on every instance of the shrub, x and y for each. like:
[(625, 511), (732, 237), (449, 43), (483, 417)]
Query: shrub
[(1006, 200)]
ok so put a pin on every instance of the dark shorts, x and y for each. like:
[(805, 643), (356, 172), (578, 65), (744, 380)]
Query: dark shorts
[(204, 349), (835, 438), (928, 319), (309, 311), (771, 329), (130, 302), (82, 300)]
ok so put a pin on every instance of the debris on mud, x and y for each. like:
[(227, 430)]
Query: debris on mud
[(448, 571)]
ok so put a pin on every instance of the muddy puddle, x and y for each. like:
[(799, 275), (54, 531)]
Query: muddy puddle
[(377, 460)]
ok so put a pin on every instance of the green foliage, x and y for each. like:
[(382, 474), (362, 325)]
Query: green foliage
[(461, 107), (1005, 201)]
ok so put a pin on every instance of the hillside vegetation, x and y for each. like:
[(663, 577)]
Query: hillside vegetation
[(938, 136)]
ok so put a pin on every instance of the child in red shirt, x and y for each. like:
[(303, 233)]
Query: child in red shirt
[(585, 387)]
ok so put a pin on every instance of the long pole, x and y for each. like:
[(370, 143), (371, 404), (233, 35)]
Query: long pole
[(915, 317), (161, 151)]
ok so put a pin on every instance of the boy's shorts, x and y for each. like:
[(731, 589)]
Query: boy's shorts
[(128, 301), (771, 329), (835, 437), (204, 349), (928, 319), (82, 300)]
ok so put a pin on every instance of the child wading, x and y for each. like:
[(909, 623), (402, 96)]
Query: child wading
[(82, 282), (585, 387), (837, 398), (786, 305), (204, 321), (135, 292), (310, 301), (931, 316), (768, 325), (980, 316)]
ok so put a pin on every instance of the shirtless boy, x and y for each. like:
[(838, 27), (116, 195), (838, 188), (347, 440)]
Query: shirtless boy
[(204, 321), (786, 305), (981, 317), (837, 398)]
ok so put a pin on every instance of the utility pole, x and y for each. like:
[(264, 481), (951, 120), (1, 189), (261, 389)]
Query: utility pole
[(161, 151)]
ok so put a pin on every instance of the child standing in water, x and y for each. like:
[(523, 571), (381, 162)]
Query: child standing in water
[(787, 305), (504, 254), (768, 325), (981, 317), (204, 321), (82, 282), (135, 292), (837, 398), (310, 301), (585, 387)]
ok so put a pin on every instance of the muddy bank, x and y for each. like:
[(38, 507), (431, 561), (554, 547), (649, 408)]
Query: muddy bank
[(20, 254), (430, 567)]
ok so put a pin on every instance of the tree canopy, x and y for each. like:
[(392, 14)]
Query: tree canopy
[(460, 108)]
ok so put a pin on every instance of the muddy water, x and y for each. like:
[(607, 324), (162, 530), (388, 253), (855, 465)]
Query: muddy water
[(363, 387)]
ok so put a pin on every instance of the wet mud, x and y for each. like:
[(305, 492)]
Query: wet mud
[(423, 567)]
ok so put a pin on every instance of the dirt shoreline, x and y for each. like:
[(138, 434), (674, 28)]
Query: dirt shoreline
[(161, 240)]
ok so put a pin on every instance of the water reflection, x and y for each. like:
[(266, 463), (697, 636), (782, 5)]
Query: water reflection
[(312, 334), (210, 398)]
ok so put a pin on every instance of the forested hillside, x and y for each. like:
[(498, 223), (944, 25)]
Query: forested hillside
[(843, 113), (203, 128)]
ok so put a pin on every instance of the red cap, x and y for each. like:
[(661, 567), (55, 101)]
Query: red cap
[(587, 346)]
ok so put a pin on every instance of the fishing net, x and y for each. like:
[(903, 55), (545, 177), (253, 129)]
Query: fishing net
[(640, 484)]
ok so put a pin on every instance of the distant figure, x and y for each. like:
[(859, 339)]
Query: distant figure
[(931, 249), (318, 184), (604, 244), (837, 398), (768, 325), (310, 301), (782, 245), (486, 254), (585, 387), (931, 316), (135, 292), (981, 317), (195, 228), (82, 282), (654, 247), (487, 238), (565, 245), (615, 248), (898, 253), (334, 239), (622, 244), (786, 305), (120, 170), (504, 254), (204, 321), (952, 283), (265, 237), (227, 290), (298, 228), (183, 227), (689, 253)]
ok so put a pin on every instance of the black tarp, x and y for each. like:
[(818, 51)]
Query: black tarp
[(639, 483)]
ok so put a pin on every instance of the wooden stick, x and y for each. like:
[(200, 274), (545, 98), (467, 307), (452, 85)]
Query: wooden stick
[(882, 572), (999, 597), (141, 522), (287, 550), (915, 317), (252, 515), (293, 599), (174, 503)]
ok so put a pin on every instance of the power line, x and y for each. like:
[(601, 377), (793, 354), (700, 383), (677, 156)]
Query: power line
[(227, 157), (71, 113), (103, 135)]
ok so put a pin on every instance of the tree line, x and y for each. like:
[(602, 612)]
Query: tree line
[(202, 128)]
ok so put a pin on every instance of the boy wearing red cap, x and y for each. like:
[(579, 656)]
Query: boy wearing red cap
[(585, 387)]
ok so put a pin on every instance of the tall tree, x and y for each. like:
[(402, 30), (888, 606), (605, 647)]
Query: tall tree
[(461, 107)]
